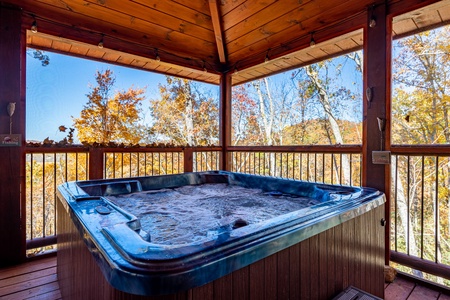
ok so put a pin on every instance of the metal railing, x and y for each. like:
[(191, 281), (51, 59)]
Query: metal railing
[(46, 168), (420, 217), (332, 165), (206, 161), (420, 190), (154, 162), (131, 164)]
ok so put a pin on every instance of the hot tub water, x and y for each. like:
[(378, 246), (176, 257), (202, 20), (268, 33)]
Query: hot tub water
[(195, 213)]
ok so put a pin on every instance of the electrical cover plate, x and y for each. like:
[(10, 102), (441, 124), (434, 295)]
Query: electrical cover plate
[(381, 157)]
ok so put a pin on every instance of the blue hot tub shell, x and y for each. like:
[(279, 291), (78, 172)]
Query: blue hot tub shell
[(131, 263)]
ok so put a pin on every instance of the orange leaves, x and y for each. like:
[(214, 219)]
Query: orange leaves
[(110, 119)]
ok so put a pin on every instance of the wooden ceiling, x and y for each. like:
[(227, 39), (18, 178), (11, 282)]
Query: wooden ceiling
[(201, 39)]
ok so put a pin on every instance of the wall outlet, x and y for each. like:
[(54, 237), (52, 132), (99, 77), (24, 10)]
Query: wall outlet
[(381, 157)]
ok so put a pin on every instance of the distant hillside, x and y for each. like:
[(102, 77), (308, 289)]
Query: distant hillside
[(317, 132)]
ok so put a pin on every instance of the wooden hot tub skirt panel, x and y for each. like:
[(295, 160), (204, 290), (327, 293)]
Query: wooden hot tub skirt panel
[(320, 267)]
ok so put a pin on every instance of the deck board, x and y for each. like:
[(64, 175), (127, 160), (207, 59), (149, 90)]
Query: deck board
[(423, 293), (444, 297), (399, 289), (37, 280), (28, 267)]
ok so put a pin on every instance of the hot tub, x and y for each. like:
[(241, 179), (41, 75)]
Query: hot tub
[(174, 234)]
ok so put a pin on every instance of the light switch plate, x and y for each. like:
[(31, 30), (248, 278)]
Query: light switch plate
[(381, 157)]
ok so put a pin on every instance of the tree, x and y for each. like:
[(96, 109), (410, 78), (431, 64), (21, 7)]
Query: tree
[(184, 114), (39, 55), (420, 115), (320, 86), (245, 129), (110, 118), (421, 88)]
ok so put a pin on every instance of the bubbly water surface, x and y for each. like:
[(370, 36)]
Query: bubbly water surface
[(198, 212)]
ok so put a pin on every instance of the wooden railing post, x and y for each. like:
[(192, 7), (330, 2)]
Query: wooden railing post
[(188, 154), (225, 120), (377, 49), (96, 163)]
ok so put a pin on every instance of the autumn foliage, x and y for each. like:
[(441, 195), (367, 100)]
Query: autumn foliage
[(108, 115)]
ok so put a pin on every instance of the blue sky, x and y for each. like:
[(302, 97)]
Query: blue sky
[(58, 91)]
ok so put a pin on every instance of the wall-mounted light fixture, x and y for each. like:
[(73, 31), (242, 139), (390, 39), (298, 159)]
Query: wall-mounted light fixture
[(204, 67), (312, 42), (266, 59), (236, 71), (34, 28), (369, 96), (100, 44), (373, 20), (11, 108)]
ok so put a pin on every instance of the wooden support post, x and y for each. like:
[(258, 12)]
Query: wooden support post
[(96, 163), (225, 120), (12, 170), (377, 48), (188, 160)]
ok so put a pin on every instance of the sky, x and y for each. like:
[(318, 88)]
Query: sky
[(58, 91)]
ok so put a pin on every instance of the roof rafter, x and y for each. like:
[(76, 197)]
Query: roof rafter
[(218, 32)]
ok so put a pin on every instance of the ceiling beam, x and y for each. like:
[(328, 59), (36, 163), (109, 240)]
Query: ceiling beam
[(216, 21)]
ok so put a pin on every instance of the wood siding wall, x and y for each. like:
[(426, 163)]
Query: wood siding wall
[(317, 268)]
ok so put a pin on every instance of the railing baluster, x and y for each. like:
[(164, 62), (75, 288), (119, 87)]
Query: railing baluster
[(351, 169), (323, 167), (436, 212), (54, 190), (43, 194), (76, 166), (315, 166), (301, 166), (421, 205), (307, 167), (65, 167), (396, 203), (408, 178), (31, 194)]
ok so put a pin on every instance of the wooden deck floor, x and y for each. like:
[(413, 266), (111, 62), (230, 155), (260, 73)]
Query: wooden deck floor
[(37, 280), (403, 288)]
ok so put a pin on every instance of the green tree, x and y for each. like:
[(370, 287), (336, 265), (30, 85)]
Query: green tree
[(108, 117)]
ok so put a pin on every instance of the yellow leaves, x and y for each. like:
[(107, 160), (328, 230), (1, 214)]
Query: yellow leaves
[(104, 118), (183, 115)]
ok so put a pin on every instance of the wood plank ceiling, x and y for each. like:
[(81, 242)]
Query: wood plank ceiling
[(201, 39)]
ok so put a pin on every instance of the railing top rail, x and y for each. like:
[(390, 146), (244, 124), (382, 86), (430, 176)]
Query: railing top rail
[(76, 148), (55, 149), (310, 149), (442, 150)]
